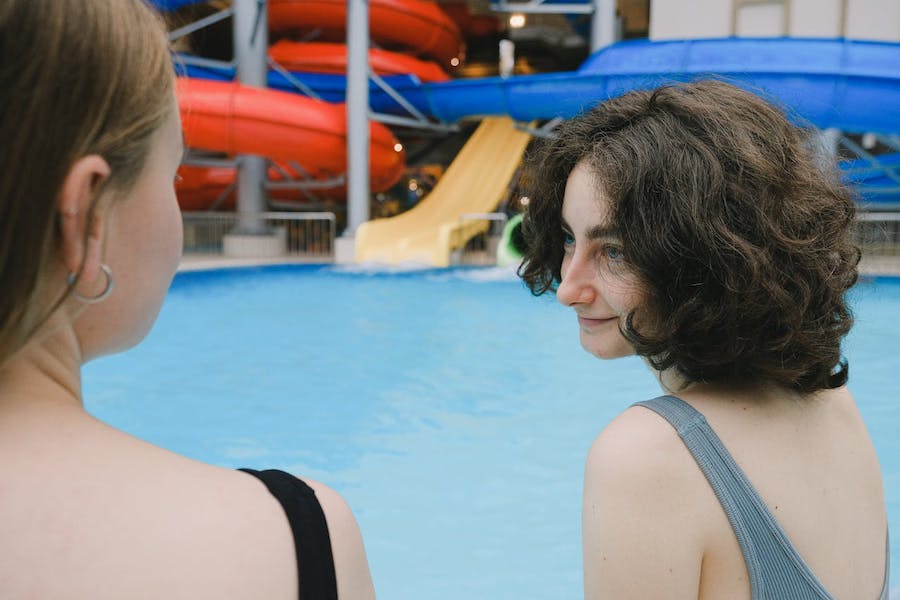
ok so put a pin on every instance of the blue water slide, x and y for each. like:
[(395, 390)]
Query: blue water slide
[(851, 85), (878, 183), (328, 87), (166, 5)]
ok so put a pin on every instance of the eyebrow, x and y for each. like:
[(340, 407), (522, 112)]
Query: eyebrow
[(596, 232), (601, 231)]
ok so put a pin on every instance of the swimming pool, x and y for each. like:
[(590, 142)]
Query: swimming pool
[(450, 408)]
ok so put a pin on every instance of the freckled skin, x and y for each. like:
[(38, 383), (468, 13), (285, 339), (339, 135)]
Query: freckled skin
[(595, 279)]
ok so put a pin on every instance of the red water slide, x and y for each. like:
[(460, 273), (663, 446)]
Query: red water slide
[(331, 57), (295, 131), (406, 25), (299, 134)]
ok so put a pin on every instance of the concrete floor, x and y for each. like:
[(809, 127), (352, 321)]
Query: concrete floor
[(870, 265)]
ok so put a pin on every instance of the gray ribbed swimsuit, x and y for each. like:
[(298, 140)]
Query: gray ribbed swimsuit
[(776, 569)]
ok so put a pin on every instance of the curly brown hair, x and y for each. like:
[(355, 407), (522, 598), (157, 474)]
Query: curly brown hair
[(736, 228)]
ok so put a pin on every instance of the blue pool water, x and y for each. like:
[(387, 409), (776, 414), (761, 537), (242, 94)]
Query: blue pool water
[(450, 408)]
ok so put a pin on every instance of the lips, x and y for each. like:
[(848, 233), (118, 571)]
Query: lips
[(590, 323)]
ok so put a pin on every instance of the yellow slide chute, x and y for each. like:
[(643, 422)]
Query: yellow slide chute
[(475, 182)]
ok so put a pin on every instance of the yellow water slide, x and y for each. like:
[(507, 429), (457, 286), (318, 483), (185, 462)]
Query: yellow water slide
[(475, 182)]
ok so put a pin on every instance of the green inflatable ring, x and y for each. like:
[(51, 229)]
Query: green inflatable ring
[(507, 252)]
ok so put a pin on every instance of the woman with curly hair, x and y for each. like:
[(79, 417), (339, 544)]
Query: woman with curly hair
[(694, 226)]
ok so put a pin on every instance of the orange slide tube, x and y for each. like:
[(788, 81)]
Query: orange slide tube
[(235, 119), (329, 57), (406, 24)]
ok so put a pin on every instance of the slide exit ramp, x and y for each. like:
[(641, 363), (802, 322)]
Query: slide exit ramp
[(475, 182)]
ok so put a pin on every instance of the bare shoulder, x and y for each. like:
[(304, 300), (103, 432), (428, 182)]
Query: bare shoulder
[(245, 510), (636, 448), (643, 505), (351, 565), (197, 530)]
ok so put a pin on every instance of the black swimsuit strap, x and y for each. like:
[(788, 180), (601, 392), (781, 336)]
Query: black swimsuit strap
[(315, 563)]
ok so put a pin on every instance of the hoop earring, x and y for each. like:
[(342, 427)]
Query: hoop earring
[(99, 297)]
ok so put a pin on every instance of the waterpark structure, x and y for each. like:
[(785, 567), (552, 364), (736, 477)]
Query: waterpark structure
[(292, 112)]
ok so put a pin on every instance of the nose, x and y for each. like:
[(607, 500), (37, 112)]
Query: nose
[(578, 285)]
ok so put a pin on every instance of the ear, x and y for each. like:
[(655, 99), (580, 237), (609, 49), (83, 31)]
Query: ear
[(81, 249)]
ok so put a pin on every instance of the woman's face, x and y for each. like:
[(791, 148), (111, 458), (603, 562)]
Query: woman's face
[(596, 280), (143, 249)]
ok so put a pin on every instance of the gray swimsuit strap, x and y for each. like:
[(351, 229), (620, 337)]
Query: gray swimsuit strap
[(776, 569)]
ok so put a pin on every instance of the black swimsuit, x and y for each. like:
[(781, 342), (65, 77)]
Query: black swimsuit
[(315, 563)]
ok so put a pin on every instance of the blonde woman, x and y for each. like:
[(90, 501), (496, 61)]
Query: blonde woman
[(90, 237)]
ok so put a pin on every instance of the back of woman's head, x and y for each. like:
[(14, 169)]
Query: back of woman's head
[(77, 77), (738, 232)]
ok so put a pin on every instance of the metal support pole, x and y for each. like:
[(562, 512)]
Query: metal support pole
[(829, 144), (603, 24), (251, 43), (357, 115), (198, 25)]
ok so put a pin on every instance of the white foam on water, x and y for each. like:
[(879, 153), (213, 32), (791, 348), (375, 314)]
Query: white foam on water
[(376, 268), (489, 274)]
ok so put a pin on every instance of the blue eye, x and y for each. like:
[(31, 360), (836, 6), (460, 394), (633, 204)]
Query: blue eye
[(568, 240), (613, 252)]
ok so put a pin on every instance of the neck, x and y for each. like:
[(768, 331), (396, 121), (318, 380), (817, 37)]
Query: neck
[(671, 382), (759, 392), (45, 374)]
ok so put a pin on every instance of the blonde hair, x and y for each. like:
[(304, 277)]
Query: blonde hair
[(77, 77)]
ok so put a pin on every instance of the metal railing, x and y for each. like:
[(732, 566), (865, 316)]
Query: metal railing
[(878, 233), (300, 235), (477, 238), (310, 235)]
